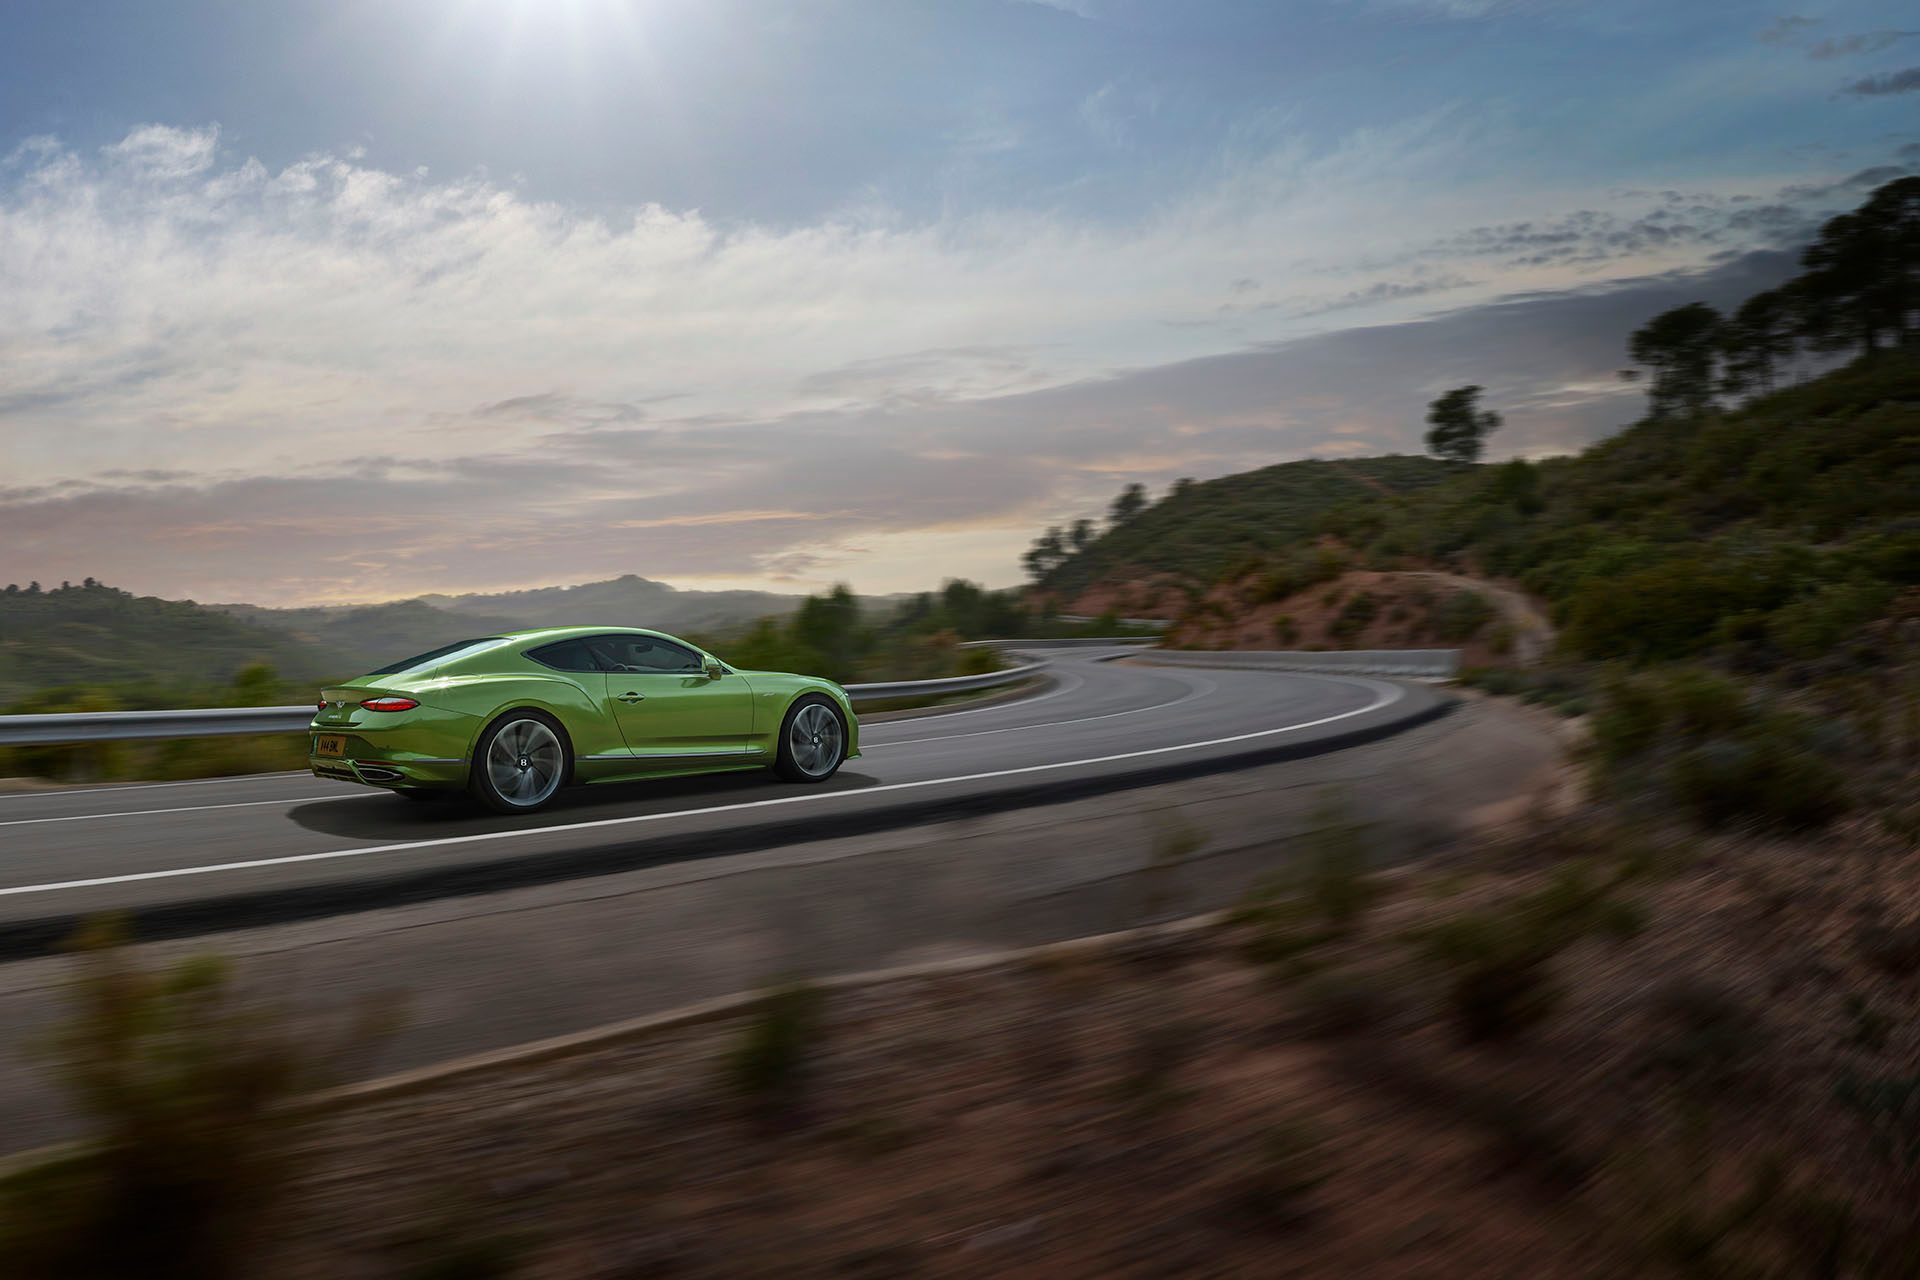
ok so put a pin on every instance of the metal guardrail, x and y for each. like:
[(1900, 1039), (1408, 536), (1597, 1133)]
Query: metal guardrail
[(1075, 642), (884, 691), (217, 722), (1412, 664), (1156, 624)]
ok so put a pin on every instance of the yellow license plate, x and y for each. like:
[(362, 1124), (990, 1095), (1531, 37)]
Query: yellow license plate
[(329, 744)]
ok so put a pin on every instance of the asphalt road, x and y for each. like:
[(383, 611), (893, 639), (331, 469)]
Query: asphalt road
[(192, 856)]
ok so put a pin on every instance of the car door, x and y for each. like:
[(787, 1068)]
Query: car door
[(667, 706)]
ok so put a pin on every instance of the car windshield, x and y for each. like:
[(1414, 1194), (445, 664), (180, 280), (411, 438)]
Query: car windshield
[(434, 657)]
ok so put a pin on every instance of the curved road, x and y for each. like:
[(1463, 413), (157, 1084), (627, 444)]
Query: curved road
[(190, 856)]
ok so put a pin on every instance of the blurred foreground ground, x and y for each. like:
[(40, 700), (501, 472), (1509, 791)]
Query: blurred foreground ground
[(1225, 1102)]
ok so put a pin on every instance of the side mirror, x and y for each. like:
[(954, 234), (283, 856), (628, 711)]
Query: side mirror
[(714, 669)]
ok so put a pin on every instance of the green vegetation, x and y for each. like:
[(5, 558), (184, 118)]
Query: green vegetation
[(918, 638), (1200, 531), (257, 685), (1499, 958), (1714, 749), (769, 1067), (95, 636), (189, 1089), (1459, 427), (1321, 898)]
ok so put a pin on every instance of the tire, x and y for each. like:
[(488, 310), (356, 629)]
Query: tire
[(813, 741), (521, 762)]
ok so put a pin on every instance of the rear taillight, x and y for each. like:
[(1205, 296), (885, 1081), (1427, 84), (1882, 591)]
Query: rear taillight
[(323, 704), (389, 704)]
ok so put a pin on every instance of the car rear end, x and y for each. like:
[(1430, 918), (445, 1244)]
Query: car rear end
[(388, 736), (392, 728)]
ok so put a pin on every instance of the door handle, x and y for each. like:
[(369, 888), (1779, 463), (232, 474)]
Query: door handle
[(631, 696)]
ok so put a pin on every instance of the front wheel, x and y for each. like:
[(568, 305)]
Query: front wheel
[(520, 763), (813, 741)]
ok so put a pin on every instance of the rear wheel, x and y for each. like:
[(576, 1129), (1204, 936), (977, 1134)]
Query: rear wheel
[(813, 741), (520, 762)]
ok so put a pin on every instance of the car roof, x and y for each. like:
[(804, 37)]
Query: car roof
[(565, 633)]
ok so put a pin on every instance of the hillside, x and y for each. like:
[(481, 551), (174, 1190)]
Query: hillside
[(97, 635), (356, 637), (1202, 530), (364, 635), (1768, 533), (629, 601)]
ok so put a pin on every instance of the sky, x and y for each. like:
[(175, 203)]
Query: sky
[(323, 301)]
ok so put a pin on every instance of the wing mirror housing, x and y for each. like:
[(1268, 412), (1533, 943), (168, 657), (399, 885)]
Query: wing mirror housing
[(714, 669)]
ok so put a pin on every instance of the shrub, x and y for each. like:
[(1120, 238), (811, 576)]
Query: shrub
[(1335, 877), (189, 1089), (1355, 616), (1500, 957), (1274, 1189), (1461, 616), (1699, 741), (769, 1066), (1890, 1109), (1768, 775), (1703, 1032), (1343, 1002)]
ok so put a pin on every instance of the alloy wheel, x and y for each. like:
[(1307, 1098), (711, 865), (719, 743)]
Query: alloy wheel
[(524, 762), (814, 740)]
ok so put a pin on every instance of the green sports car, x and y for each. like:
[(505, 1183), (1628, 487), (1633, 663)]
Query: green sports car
[(513, 718)]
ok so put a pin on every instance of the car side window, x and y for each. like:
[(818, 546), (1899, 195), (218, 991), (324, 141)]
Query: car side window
[(645, 654), (567, 655)]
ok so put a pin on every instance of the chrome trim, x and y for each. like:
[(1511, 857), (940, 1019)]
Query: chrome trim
[(676, 755)]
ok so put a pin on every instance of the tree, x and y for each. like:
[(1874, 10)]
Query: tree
[(1681, 347), (1081, 536), (1754, 340), (1862, 273), (1459, 426), (1131, 502), (1046, 554), (830, 626)]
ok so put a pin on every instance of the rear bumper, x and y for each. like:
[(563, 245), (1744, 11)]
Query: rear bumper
[(391, 773)]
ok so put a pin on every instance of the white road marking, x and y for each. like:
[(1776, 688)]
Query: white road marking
[(1384, 695), (59, 793), (148, 813)]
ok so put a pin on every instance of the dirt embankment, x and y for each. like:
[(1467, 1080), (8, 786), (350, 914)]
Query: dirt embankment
[(1369, 609), (1491, 622)]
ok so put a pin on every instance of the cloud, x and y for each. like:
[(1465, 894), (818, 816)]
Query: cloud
[(1905, 81), (157, 151), (555, 408), (1865, 42), (1787, 29), (232, 381)]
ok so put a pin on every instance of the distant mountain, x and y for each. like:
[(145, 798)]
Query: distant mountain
[(628, 601), (357, 637), (97, 635)]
